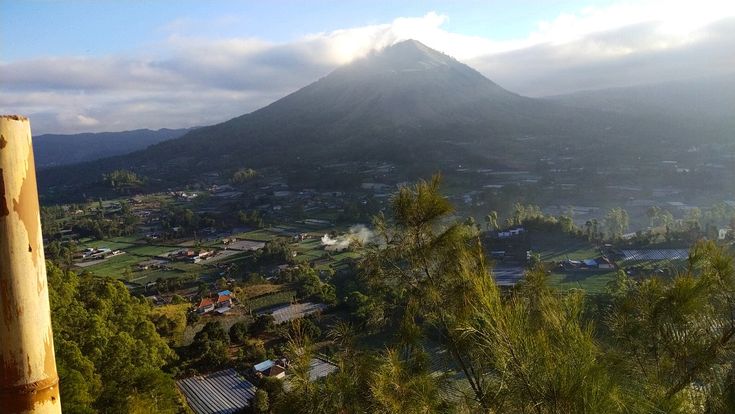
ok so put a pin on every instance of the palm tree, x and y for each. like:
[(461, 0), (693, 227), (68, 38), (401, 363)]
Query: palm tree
[(343, 334), (492, 220)]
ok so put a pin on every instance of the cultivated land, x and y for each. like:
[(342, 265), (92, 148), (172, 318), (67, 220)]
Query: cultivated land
[(271, 249)]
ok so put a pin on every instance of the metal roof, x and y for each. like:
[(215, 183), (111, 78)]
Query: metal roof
[(222, 392), (287, 313), (263, 365), (319, 368)]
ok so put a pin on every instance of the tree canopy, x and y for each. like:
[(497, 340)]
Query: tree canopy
[(108, 353)]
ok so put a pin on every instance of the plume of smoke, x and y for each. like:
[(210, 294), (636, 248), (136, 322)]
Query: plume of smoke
[(357, 234)]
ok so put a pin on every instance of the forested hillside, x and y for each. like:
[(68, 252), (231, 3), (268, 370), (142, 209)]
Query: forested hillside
[(108, 353)]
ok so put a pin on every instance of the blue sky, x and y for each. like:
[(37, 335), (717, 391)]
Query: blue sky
[(53, 28), (87, 66)]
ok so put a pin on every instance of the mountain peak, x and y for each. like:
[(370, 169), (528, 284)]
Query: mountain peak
[(405, 56), (416, 46)]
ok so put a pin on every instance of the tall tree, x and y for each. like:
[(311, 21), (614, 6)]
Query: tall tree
[(492, 220), (421, 270), (677, 338), (616, 222)]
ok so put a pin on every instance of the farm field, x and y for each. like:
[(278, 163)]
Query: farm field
[(271, 300), (110, 244), (252, 291), (258, 235), (591, 281), (312, 250), (559, 246), (116, 266)]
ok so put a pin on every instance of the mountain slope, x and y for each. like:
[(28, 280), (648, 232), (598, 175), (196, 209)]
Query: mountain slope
[(54, 150), (699, 98), (407, 104)]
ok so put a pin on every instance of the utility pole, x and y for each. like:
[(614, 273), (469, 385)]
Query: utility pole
[(28, 379)]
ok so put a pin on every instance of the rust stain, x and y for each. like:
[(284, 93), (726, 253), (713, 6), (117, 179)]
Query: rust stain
[(17, 396), (27, 206), (9, 373), (14, 117), (7, 300), (3, 202), (25, 397)]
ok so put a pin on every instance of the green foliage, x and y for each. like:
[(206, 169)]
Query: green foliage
[(656, 346), (243, 175), (677, 338), (176, 216), (276, 251), (122, 180), (62, 253), (309, 284), (239, 332), (423, 274), (108, 353), (616, 222), (522, 213), (253, 351), (308, 328), (398, 387), (366, 311), (251, 218), (262, 324), (209, 351), (260, 403), (539, 354)]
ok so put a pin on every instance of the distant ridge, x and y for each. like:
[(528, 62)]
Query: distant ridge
[(57, 149)]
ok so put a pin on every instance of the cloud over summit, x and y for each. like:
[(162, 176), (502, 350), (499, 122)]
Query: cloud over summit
[(188, 80)]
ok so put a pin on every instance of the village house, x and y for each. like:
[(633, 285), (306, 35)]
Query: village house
[(206, 305), (192, 256), (224, 301), (270, 368), (722, 233), (514, 232), (604, 263), (222, 304)]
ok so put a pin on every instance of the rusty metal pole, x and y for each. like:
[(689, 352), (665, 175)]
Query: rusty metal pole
[(28, 380)]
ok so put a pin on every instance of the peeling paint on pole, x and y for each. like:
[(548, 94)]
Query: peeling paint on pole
[(28, 378)]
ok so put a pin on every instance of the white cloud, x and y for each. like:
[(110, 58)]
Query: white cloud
[(195, 80)]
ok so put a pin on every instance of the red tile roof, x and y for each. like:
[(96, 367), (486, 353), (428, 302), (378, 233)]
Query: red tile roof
[(206, 302)]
